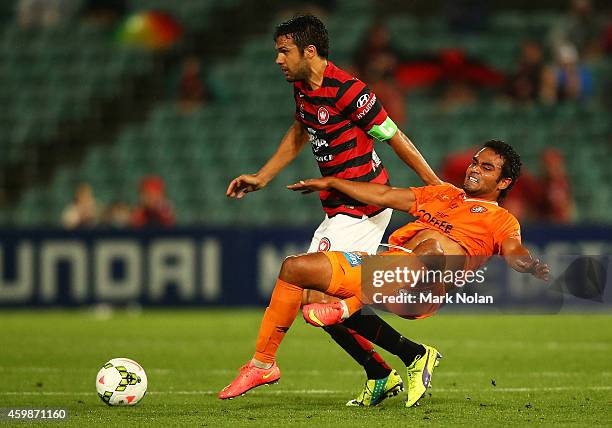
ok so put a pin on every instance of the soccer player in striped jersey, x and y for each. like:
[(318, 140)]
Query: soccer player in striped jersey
[(341, 119)]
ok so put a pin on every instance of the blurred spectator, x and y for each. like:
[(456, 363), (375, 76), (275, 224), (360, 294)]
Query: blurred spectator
[(117, 215), (524, 198), (154, 209), (557, 204), (375, 48), (454, 166), (581, 27), (607, 36), (82, 211), (445, 66), (392, 97), (44, 13), (456, 95), (526, 84), (375, 63), (192, 91), (567, 79)]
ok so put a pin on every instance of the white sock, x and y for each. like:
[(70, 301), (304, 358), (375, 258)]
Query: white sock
[(345, 311), (261, 364)]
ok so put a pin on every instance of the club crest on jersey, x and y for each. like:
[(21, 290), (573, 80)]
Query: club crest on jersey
[(478, 209), (322, 115), (324, 244)]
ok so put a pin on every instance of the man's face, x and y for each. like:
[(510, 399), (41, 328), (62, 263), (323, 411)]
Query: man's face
[(292, 62), (482, 177)]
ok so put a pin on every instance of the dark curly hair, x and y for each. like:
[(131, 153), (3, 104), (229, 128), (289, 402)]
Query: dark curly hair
[(512, 163), (306, 30)]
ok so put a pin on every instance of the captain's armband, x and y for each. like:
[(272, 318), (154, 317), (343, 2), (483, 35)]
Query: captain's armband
[(385, 131)]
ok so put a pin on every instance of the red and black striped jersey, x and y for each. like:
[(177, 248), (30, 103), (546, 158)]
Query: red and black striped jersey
[(338, 116)]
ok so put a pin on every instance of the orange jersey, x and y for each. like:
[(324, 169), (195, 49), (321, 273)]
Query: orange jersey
[(478, 225)]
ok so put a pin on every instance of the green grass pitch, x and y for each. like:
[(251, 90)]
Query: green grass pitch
[(547, 370)]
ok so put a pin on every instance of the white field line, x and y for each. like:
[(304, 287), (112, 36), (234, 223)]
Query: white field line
[(315, 391)]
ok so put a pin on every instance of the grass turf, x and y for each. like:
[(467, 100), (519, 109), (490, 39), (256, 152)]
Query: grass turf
[(511, 370)]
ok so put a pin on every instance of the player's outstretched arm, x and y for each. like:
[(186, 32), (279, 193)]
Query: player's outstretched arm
[(369, 193), (519, 259), (288, 149), (411, 156)]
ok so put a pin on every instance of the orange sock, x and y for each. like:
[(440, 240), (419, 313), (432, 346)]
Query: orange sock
[(282, 310)]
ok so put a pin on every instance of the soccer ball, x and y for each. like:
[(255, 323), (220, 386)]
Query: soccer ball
[(121, 382)]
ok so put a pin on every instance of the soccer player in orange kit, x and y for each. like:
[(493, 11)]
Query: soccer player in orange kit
[(461, 222)]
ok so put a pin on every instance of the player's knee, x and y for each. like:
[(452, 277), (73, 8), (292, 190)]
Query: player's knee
[(292, 269), (310, 271), (429, 247), (431, 254)]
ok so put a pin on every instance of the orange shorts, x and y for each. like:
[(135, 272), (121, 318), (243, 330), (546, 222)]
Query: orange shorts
[(346, 273), (346, 282)]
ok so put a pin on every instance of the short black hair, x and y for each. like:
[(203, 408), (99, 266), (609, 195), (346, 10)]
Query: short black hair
[(512, 162), (305, 30)]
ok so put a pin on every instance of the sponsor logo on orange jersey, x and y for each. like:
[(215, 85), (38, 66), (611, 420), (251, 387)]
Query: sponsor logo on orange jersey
[(443, 225)]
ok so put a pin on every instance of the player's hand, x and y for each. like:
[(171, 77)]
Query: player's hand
[(310, 185), (244, 184), (539, 269)]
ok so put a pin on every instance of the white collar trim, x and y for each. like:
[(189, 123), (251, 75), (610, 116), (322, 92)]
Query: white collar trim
[(480, 200)]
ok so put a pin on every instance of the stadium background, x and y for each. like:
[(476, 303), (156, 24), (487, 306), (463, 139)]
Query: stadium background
[(187, 96), (91, 93)]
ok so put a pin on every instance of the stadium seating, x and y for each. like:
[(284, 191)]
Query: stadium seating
[(38, 72), (197, 154)]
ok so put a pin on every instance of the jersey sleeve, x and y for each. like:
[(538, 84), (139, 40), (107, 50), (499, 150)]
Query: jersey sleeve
[(508, 227), (359, 104), (427, 194)]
